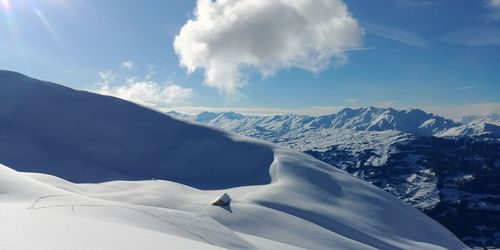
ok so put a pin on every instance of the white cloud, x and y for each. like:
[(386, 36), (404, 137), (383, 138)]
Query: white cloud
[(396, 35), (227, 37), (147, 93), (127, 65)]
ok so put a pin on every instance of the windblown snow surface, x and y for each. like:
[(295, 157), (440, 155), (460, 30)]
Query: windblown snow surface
[(93, 159)]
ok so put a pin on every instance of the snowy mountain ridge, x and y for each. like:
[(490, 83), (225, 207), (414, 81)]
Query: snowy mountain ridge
[(361, 119), (413, 121)]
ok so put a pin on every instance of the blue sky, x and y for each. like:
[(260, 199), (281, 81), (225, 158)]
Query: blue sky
[(443, 56)]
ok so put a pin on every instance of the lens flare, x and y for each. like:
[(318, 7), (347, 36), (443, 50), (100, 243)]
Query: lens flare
[(47, 25), (13, 29), (5, 4), (52, 31)]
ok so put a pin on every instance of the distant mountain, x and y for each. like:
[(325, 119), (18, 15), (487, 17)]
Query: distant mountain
[(474, 129), (479, 127), (490, 118), (161, 177), (414, 121), (446, 169)]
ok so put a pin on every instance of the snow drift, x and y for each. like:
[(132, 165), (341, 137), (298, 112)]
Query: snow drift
[(279, 198)]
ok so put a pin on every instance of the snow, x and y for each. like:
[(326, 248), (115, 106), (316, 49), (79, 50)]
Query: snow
[(473, 129), (291, 211), (92, 160), (24, 229)]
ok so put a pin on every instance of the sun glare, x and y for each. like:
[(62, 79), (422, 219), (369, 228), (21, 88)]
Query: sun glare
[(8, 13), (5, 4)]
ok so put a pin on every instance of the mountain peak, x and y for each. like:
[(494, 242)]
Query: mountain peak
[(414, 121), (232, 115)]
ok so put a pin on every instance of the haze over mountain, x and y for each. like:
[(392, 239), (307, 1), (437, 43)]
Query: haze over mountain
[(280, 198), (491, 118)]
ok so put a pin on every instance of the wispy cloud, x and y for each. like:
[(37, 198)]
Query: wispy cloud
[(388, 103), (416, 2), (494, 5), (474, 37), (127, 65), (466, 87), (150, 72), (352, 101), (106, 77), (396, 35)]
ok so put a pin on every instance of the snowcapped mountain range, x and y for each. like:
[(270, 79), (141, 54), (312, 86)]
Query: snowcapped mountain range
[(105, 173), (447, 169), (413, 121)]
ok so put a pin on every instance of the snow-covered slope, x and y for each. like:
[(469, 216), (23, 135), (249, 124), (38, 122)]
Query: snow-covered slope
[(279, 198), (452, 176)]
